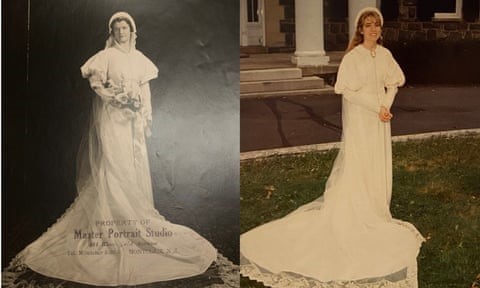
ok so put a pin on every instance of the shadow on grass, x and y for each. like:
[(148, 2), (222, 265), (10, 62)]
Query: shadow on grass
[(436, 187)]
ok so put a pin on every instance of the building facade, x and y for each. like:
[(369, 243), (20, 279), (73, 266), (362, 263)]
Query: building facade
[(405, 20)]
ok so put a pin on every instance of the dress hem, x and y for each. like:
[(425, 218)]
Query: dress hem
[(17, 268)]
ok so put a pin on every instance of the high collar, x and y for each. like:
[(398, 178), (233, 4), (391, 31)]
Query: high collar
[(122, 48)]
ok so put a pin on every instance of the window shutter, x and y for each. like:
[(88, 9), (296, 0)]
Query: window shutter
[(425, 9), (470, 10), (389, 9)]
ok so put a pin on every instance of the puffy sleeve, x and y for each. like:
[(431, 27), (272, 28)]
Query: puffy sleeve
[(149, 70), (348, 84), (96, 68), (347, 76), (394, 78)]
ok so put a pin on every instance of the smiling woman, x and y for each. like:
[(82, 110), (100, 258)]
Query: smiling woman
[(368, 30), (347, 237)]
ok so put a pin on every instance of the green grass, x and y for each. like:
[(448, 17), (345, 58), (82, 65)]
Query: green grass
[(436, 187)]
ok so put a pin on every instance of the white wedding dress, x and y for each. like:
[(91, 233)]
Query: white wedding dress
[(112, 234), (346, 238)]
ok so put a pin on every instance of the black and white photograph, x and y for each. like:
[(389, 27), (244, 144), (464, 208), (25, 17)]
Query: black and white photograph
[(121, 144)]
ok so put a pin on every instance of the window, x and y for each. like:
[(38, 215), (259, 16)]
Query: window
[(336, 10), (252, 10), (471, 11), (467, 10), (448, 9)]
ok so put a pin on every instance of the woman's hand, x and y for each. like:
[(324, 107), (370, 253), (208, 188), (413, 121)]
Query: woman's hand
[(385, 114)]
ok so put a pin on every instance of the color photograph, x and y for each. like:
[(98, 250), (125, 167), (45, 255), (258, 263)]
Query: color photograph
[(359, 143)]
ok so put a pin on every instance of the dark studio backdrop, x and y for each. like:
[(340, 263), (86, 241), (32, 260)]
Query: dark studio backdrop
[(194, 149)]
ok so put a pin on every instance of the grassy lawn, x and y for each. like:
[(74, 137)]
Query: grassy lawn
[(436, 187)]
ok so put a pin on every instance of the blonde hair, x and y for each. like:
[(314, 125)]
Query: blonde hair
[(358, 37)]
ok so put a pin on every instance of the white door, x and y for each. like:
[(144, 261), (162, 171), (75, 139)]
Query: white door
[(252, 24)]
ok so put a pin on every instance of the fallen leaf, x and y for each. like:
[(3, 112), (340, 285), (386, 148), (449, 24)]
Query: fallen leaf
[(269, 189)]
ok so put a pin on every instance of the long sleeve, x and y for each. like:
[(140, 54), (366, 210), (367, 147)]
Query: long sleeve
[(393, 79), (348, 84), (95, 69), (387, 101), (145, 96), (355, 98), (99, 88)]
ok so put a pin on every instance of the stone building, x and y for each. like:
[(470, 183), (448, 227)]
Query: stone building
[(405, 20), (436, 28)]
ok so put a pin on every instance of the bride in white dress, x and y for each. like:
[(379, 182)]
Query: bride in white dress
[(347, 238), (112, 234)]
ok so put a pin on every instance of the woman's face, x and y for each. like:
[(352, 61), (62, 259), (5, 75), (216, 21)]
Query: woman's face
[(121, 31), (371, 29)]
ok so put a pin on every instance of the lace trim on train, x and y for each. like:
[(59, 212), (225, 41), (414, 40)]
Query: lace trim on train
[(221, 274), (287, 280)]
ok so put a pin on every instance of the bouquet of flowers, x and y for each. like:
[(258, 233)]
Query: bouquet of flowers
[(126, 95)]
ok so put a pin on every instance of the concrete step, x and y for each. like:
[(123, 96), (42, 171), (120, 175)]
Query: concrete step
[(270, 74), (320, 91), (311, 82), (253, 49)]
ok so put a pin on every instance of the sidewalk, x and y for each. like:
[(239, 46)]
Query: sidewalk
[(282, 122)]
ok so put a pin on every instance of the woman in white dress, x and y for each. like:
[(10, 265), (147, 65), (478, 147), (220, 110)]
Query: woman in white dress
[(112, 234), (347, 237)]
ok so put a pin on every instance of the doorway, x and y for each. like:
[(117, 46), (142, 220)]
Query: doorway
[(252, 23)]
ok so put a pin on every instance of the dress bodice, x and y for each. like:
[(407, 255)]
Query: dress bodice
[(113, 64)]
